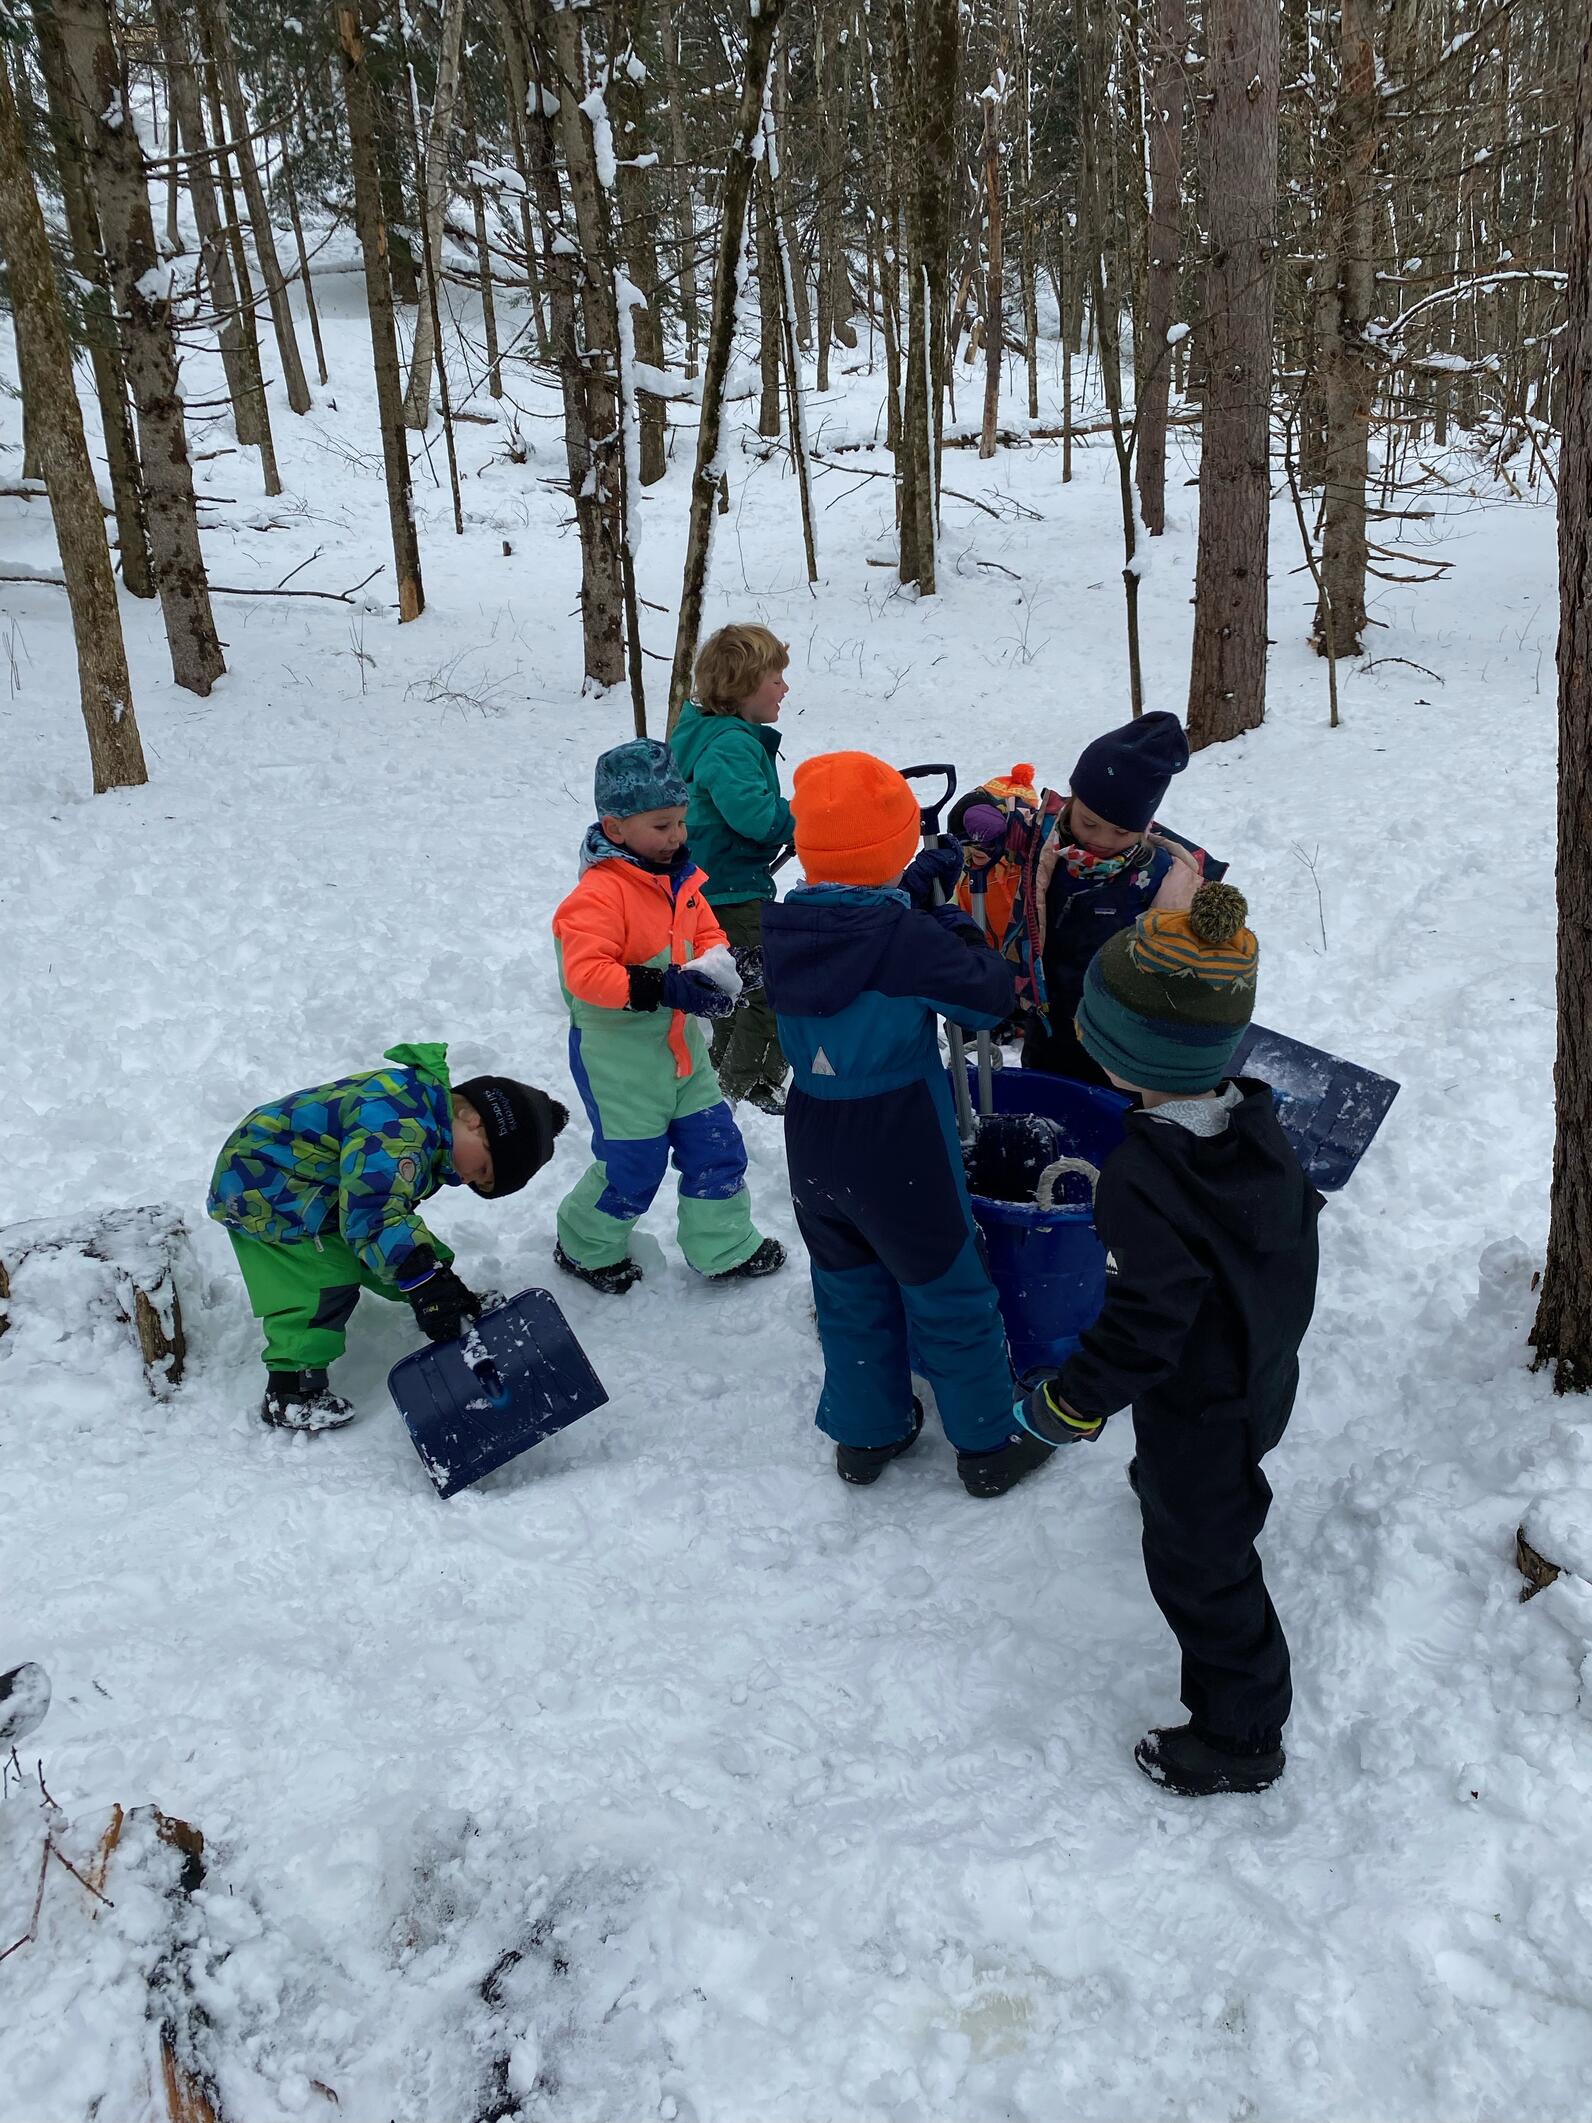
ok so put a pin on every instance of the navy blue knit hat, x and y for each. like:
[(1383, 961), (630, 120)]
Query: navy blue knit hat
[(640, 776), (1123, 776)]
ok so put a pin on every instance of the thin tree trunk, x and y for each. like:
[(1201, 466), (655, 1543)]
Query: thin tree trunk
[(1154, 364), (1342, 313), (115, 752), (141, 291), (311, 308), (519, 80), (371, 227), (1227, 680), (105, 355), (768, 200), (735, 193), (770, 322), (439, 139), (787, 205), (994, 268), (489, 328), (216, 29), (831, 151), (682, 192), (627, 108), (238, 253), (243, 386), (602, 543), (1562, 1333)]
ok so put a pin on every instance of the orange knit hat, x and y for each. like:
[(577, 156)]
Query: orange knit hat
[(856, 819)]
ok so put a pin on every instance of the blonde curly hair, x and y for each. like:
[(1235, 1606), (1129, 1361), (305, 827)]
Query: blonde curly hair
[(732, 664)]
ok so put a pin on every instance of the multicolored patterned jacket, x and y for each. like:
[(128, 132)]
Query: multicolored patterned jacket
[(355, 1156), (1056, 926)]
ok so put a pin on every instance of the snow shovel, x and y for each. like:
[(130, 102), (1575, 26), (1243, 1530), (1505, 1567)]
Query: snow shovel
[(1329, 1109), (929, 822), (476, 1403)]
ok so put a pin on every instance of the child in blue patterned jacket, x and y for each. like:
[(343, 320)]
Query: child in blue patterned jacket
[(320, 1192)]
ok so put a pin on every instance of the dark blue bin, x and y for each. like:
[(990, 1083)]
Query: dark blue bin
[(1048, 1266)]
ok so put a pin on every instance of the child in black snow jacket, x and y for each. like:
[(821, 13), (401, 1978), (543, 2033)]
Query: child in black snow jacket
[(1210, 1228)]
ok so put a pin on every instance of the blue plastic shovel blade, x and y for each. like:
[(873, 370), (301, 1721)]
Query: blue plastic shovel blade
[(1329, 1109), (475, 1404)]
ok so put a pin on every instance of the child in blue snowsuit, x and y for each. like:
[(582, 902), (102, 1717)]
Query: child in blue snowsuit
[(857, 966)]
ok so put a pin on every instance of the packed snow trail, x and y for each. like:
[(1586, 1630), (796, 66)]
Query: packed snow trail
[(662, 1774)]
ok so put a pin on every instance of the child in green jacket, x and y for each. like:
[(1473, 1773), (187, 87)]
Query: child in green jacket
[(319, 1192), (728, 750)]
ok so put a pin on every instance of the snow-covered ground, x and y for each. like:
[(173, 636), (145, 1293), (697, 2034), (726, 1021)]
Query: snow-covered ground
[(661, 1775)]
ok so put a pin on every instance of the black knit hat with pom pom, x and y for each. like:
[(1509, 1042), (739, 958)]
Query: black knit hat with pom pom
[(1166, 1002)]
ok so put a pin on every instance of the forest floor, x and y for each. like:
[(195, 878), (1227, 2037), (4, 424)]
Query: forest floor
[(662, 1775)]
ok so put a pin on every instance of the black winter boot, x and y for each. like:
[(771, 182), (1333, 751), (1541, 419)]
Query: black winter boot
[(863, 1464), (302, 1400), (767, 1098), (1133, 1474), (612, 1281), (993, 1473), (1197, 1767), (769, 1256)]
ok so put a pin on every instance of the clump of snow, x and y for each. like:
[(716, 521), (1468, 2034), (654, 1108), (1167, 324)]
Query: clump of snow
[(718, 965)]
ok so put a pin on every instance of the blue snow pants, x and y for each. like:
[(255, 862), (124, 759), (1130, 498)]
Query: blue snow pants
[(898, 1273)]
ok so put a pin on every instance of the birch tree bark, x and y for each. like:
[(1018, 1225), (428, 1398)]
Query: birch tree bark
[(1562, 1333), (371, 227), (735, 193), (115, 752), (1227, 680), (141, 292)]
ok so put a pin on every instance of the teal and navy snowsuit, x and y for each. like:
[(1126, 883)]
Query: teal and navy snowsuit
[(644, 1075), (856, 976), (319, 1193)]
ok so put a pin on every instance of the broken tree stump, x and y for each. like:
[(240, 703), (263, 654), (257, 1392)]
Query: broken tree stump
[(139, 1250)]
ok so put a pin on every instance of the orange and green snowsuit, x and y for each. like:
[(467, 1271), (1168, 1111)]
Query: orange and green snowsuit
[(644, 1075)]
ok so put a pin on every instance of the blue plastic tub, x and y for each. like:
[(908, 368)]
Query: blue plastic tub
[(1048, 1266)]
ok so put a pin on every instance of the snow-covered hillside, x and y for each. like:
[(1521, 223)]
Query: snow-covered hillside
[(662, 1775)]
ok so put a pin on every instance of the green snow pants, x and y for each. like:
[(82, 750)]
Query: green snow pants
[(746, 1049), (303, 1294), (640, 1116)]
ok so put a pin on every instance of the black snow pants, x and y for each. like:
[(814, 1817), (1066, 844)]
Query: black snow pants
[(1204, 1500)]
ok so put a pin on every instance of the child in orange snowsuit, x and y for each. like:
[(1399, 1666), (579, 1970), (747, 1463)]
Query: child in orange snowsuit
[(641, 959)]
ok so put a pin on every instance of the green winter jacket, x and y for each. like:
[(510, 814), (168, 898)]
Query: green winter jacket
[(737, 821)]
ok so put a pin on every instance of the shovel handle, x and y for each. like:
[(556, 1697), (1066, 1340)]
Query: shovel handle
[(929, 813)]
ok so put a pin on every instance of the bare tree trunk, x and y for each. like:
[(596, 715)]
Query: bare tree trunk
[(627, 107), (682, 191), (1227, 679), (88, 259), (242, 280), (305, 282), (1562, 1333), (831, 154), (516, 57), (371, 227), (994, 266), (439, 139), (768, 200), (1154, 363), (115, 752), (787, 208), (141, 291), (183, 81), (603, 530), (216, 30), (1343, 310), (734, 197), (770, 322)]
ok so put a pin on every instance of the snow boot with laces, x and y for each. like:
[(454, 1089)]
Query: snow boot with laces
[(613, 1280), (863, 1464), (302, 1400), (1196, 1766)]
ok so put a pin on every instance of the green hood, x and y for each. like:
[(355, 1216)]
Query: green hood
[(427, 1057)]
